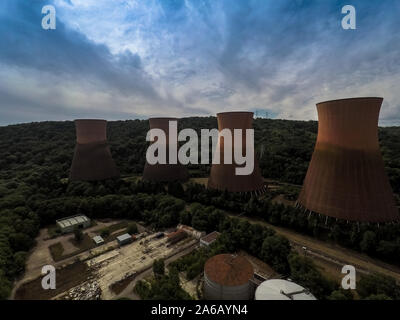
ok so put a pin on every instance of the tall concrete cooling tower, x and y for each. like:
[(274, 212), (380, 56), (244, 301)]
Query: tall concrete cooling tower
[(164, 172), (92, 158), (346, 177), (223, 176)]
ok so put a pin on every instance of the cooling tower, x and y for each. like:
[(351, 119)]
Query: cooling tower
[(223, 176), (346, 177), (92, 158), (164, 172)]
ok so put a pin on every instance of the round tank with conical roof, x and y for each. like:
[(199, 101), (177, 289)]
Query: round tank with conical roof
[(223, 176), (346, 177), (279, 289), (227, 277)]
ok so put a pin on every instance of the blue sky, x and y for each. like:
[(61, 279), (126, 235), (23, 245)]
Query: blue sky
[(141, 58)]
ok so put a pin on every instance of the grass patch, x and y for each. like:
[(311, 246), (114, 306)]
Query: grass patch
[(56, 251), (86, 243)]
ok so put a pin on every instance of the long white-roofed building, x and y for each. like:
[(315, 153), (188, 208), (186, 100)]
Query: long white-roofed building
[(74, 222)]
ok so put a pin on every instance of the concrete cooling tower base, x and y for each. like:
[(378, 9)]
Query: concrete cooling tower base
[(92, 162), (224, 178)]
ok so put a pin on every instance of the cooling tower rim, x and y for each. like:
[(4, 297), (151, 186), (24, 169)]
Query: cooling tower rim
[(235, 113), (351, 99), (90, 120), (163, 118)]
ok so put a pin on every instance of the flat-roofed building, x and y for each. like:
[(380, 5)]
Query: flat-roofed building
[(124, 239), (176, 236), (98, 240), (209, 239), (191, 231), (74, 222)]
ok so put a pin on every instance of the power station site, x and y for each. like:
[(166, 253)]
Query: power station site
[(178, 240)]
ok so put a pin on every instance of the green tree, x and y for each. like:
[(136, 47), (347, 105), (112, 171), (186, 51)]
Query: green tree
[(341, 294), (304, 272), (368, 242), (378, 297), (158, 267), (132, 228), (78, 235), (105, 232), (376, 284), (274, 251)]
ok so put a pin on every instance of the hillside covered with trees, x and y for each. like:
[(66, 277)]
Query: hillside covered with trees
[(34, 191)]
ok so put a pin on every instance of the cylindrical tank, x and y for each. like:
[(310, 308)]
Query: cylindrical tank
[(164, 172), (227, 277), (92, 157), (223, 176), (279, 289), (346, 177)]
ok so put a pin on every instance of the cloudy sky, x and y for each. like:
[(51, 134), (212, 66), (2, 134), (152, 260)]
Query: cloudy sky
[(126, 59)]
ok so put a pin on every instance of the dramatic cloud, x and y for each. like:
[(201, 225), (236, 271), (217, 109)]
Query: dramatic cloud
[(135, 58)]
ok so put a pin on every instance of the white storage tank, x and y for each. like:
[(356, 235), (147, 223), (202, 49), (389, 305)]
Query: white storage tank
[(279, 289), (227, 277)]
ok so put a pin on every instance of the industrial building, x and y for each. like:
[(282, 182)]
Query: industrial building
[(123, 239), (98, 240), (176, 236), (208, 239), (279, 289), (191, 231), (346, 178), (223, 176), (164, 172), (227, 277), (92, 157), (69, 224)]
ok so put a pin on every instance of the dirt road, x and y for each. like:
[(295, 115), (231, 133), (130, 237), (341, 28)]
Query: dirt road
[(332, 253)]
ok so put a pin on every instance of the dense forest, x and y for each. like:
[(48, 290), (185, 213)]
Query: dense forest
[(284, 148), (34, 190)]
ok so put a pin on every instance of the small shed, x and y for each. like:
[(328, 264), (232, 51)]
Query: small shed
[(124, 239), (98, 240), (209, 239)]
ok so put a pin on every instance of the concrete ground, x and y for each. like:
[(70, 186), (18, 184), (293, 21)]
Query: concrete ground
[(129, 259), (109, 263), (40, 254), (180, 252)]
